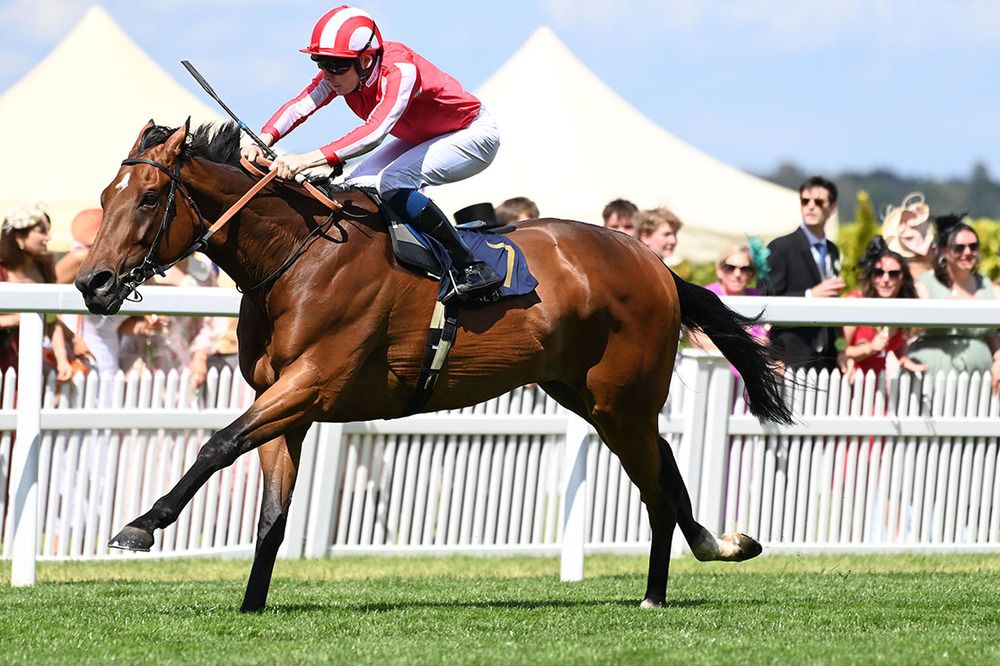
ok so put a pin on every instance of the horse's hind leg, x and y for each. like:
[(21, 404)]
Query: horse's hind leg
[(705, 546), (279, 463), (634, 440), (649, 462)]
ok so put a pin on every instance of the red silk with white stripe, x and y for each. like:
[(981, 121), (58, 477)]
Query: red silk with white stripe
[(406, 96)]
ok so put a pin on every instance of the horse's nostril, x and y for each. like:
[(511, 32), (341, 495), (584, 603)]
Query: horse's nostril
[(96, 282), (101, 280)]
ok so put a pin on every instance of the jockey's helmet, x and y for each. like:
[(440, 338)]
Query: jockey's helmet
[(345, 32)]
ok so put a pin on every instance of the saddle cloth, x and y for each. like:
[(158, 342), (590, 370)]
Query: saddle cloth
[(423, 254)]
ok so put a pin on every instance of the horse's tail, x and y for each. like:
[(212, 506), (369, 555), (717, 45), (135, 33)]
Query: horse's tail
[(703, 311)]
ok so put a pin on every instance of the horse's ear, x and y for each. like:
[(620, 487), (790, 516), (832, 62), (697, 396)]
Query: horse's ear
[(173, 145), (138, 139)]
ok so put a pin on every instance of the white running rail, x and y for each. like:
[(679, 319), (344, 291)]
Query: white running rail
[(877, 465)]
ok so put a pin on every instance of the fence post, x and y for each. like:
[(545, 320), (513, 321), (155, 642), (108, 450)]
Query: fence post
[(694, 370), (710, 503), (574, 498), (325, 486), (24, 461)]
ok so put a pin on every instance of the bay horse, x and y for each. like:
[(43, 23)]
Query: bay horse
[(332, 328)]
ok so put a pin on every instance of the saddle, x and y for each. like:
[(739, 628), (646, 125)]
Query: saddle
[(411, 248)]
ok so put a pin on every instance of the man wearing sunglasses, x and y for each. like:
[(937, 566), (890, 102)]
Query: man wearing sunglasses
[(806, 263), (442, 133)]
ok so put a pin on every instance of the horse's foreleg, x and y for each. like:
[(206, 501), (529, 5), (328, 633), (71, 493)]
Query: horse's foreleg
[(279, 463), (280, 408)]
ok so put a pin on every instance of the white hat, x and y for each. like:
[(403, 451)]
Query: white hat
[(907, 228)]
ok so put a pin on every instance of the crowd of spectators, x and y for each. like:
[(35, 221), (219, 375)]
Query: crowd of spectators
[(78, 343), (917, 256)]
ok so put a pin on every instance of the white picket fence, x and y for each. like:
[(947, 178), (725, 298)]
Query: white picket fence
[(488, 477), (476, 479), (901, 464)]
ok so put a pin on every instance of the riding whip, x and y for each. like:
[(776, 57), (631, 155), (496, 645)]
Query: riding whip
[(204, 84)]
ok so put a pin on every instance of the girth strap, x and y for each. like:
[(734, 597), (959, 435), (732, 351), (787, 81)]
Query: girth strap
[(440, 338)]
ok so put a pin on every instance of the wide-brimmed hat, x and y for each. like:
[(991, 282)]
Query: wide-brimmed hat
[(24, 216), (907, 228)]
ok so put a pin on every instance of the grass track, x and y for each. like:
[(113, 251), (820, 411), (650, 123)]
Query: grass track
[(790, 609)]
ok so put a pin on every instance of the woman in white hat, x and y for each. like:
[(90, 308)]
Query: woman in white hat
[(25, 258)]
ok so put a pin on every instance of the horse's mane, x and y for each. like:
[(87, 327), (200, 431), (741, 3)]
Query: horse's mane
[(211, 141)]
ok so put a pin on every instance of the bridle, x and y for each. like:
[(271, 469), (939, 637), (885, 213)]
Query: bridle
[(149, 267)]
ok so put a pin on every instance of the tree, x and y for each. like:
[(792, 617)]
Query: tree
[(853, 238)]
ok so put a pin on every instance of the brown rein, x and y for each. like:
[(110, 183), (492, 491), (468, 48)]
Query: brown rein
[(265, 178)]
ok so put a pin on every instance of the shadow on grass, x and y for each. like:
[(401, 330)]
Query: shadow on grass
[(385, 607)]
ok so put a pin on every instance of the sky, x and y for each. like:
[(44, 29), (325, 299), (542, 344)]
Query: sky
[(838, 85)]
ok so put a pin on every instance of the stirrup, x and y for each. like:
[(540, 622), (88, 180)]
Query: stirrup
[(475, 280)]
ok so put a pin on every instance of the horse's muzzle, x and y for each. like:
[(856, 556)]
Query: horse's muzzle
[(101, 291)]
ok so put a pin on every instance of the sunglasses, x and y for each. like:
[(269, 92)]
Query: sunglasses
[(729, 269), (335, 66), (960, 248), (822, 203), (880, 273)]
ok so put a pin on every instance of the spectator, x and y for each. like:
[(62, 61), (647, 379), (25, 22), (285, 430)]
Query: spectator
[(955, 277), (908, 232), (658, 228), (806, 263), (735, 269), (884, 274), (516, 209), (25, 258), (619, 214), (96, 336), (163, 342)]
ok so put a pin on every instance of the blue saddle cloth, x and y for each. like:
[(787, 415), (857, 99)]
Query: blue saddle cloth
[(497, 250)]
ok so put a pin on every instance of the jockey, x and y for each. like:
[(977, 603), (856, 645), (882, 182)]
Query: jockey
[(442, 133)]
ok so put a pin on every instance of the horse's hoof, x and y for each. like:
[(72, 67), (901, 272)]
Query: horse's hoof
[(746, 546), (649, 603), (132, 538)]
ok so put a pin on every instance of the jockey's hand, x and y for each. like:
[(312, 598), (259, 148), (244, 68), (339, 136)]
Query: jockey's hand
[(252, 152), (289, 165)]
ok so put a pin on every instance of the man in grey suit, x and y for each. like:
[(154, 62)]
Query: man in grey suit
[(806, 263)]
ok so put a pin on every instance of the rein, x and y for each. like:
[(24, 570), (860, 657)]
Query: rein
[(148, 268)]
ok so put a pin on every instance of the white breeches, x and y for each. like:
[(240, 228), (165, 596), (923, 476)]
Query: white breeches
[(443, 159)]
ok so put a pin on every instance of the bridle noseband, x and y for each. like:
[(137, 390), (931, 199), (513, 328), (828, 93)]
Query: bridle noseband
[(148, 268)]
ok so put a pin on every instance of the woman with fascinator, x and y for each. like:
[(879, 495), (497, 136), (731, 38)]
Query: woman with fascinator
[(884, 274), (955, 277), (24, 257)]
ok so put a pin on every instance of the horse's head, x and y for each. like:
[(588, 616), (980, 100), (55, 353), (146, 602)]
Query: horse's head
[(149, 220)]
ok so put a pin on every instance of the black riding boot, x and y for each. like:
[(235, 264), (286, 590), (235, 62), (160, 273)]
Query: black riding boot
[(472, 278)]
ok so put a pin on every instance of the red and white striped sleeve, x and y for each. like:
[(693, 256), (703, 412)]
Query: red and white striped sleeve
[(293, 113), (399, 85)]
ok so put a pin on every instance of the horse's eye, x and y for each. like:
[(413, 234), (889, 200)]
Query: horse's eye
[(149, 199)]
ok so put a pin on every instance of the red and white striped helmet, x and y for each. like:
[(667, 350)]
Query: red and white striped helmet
[(345, 32)]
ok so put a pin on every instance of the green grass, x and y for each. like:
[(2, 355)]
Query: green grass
[(788, 609)]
